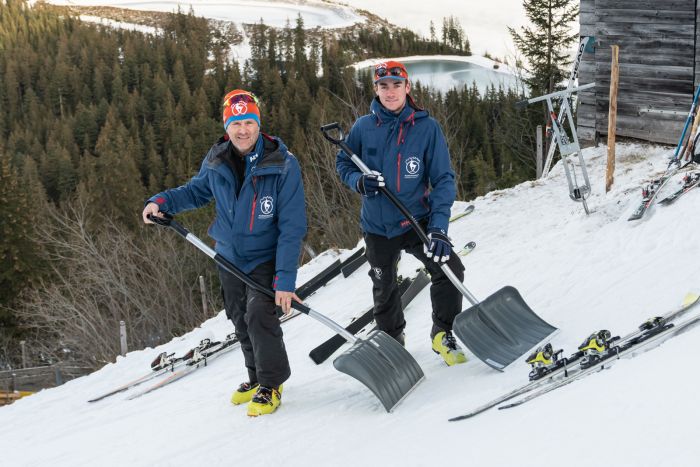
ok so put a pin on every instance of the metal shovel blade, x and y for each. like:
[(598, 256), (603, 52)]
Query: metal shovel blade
[(383, 365), (501, 329)]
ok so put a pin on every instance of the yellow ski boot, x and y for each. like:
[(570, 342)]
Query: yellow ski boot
[(265, 401), (244, 393), (444, 343)]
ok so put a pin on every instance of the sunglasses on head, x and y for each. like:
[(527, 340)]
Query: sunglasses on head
[(247, 97), (393, 71)]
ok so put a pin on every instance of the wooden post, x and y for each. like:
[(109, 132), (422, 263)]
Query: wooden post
[(309, 250), (539, 154), (58, 375), (122, 337), (22, 344), (612, 117), (204, 296)]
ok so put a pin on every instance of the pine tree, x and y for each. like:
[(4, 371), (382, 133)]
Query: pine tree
[(19, 209), (546, 42)]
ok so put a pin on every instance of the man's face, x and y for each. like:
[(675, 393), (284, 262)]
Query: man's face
[(243, 134), (392, 93)]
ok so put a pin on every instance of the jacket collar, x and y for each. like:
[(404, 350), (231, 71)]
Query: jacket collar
[(410, 111)]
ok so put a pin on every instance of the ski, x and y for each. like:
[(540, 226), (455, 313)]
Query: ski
[(468, 210), (198, 359), (353, 263), (690, 181), (649, 193), (164, 363), (468, 248), (319, 280), (334, 269), (648, 337), (408, 288), (566, 366)]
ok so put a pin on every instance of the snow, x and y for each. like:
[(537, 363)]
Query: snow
[(274, 13), (484, 22), (580, 273), (119, 24), (436, 71), (473, 59), (327, 14)]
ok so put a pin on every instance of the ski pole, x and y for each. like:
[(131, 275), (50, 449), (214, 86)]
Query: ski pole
[(688, 121)]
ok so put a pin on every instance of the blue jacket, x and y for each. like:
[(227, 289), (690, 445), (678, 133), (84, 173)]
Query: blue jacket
[(410, 151), (267, 218)]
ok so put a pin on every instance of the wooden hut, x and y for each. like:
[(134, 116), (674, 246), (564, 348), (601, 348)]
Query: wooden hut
[(658, 56)]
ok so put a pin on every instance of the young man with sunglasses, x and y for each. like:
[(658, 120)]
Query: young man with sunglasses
[(259, 225), (407, 153)]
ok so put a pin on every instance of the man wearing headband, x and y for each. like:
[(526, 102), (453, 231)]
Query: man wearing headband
[(407, 153), (259, 225)]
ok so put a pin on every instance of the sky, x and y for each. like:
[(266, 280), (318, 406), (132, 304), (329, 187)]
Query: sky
[(579, 272)]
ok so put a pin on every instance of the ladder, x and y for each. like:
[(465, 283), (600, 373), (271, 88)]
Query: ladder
[(579, 185)]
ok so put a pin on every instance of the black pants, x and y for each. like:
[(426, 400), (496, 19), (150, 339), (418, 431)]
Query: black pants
[(258, 329), (383, 256)]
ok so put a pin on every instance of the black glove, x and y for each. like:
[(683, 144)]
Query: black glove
[(368, 184), (439, 247)]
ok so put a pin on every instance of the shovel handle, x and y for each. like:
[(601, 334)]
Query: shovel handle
[(168, 221)]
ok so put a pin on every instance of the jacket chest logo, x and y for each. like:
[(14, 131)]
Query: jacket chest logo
[(266, 207), (412, 167)]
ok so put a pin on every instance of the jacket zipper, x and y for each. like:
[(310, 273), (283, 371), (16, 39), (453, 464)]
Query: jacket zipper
[(252, 208), (398, 173)]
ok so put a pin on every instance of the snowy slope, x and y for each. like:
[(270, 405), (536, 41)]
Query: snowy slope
[(274, 13), (580, 273)]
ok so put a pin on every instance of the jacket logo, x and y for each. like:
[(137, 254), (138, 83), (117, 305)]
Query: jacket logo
[(266, 207), (412, 167), (377, 272), (239, 108)]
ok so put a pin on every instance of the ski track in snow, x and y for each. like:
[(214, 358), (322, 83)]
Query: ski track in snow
[(580, 273)]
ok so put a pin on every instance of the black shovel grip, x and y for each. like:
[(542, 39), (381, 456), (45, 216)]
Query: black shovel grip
[(326, 129), (168, 221)]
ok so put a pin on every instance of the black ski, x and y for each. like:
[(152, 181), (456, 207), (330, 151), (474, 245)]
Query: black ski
[(319, 280), (408, 288), (322, 278), (649, 193), (353, 263), (690, 181)]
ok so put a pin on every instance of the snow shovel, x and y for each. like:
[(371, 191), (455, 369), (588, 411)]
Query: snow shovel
[(379, 361), (499, 330)]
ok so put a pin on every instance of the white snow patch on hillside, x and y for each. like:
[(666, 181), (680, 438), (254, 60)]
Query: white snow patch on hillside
[(119, 24), (274, 13)]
